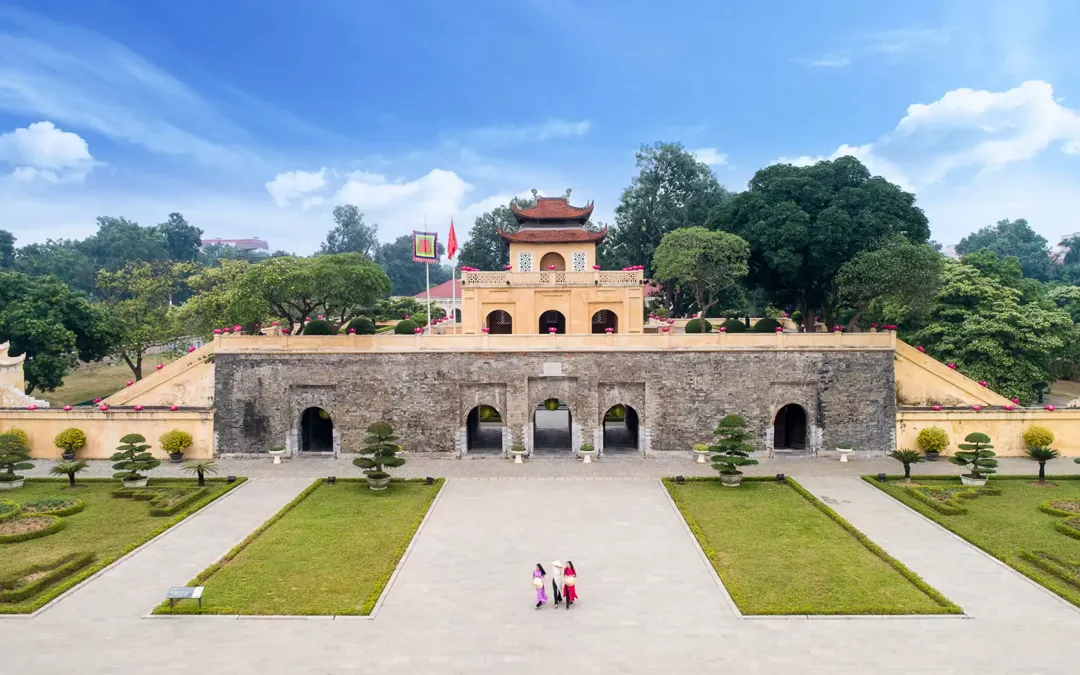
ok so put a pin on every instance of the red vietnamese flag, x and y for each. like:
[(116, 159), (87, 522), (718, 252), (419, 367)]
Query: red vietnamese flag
[(451, 242)]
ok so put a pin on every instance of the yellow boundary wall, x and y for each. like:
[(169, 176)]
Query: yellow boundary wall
[(1004, 427)]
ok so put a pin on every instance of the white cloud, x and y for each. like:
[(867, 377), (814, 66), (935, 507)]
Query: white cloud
[(878, 166), (544, 131), (400, 206), (295, 186), (827, 61), (42, 151), (710, 156), (888, 45)]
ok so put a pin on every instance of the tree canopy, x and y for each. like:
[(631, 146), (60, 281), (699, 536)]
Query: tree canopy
[(350, 234), (406, 275), (7, 250), (705, 263), (899, 277), (1012, 238)]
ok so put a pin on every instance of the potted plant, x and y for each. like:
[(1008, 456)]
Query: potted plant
[(276, 452), (14, 456), (700, 449), (200, 468), (907, 457), (176, 442), (844, 449), (381, 451), (587, 451), (518, 451), (933, 441), (70, 440), (732, 450), (69, 469), (1038, 440), (130, 458), (977, 453)]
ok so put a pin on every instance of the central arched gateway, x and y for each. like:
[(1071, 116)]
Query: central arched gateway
[(316, 431), (605, 319), (552, 318), (483, 430), (552, 427), (789, 428), (620, 429), (552, 262), (500, 322)]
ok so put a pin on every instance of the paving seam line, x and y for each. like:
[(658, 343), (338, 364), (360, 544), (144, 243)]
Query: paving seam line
[(967, 543), (129, 554)]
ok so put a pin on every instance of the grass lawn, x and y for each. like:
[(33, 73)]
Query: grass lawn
[(106, 528), (779, 550), (331, 551), (1008, 525), (92, 380)]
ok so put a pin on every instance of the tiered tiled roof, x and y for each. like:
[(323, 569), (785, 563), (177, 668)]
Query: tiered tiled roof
[(553, 235), (552, 208)]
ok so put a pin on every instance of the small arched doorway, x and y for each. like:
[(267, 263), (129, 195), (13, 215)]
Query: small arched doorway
[(551, 427), (551, 260), (500, 322), (457, 316), (620, 429), (316, 431), (789, 428), (605, 319), (552, 319), (483, 430)]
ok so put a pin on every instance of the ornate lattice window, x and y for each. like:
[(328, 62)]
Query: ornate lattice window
[(525, 262), (580, 260)]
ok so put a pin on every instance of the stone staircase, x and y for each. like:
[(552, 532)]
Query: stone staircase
[(11, 397)]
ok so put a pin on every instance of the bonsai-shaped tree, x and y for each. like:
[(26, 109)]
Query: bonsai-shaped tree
[(1038, 440), (131, 457), (70, 440), (907, 457), (175, 442), (977, 453), (381, 451), (200, 468), (68, 469), (732, 450), (14, 456)]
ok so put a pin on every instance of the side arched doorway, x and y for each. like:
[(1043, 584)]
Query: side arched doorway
[(605, 319), (500, 322), (457, 316), (552, 319), (789, 428), (552, 260), (483, 430), (316, 431), (551, 427), (620, 429)]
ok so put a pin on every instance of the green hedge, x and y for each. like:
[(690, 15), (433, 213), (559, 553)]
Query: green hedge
[(362, 325), (164, 501), (9, 509), (55, 526), (62, 511), (318, 327), (951, 506), (698, 326), (55, 571), (1067, 572), (179, 505), (766, 325), (406, 327), (733, 326)]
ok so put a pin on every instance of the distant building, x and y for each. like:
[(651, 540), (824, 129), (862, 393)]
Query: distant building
[(255, 244), (443, 296)]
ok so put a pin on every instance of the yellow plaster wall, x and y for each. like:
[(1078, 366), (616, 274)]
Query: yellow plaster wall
[(105, 429), (1005, 429), (923, 381), (187, 382), (525, 304), (565, 250)]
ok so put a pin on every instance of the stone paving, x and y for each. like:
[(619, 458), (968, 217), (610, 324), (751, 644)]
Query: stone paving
[(462, 602)]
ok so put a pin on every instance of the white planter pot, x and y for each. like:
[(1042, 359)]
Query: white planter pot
[(586, 457), (700, 457), (517, 456), (11, 484), (137, 483), (276, 454), (378, 483), (973, 482), (730, 481), (844, 452)]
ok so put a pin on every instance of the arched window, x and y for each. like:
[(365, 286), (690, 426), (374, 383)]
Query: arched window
[(552, 319), (550, 259), (457, 316), (500, 323), (605, 319)]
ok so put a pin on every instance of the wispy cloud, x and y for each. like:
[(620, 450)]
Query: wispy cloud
[(710, 156), (527, 133), (888, 45)]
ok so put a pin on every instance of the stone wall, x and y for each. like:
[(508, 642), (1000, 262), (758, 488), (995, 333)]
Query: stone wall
[(679, 395)]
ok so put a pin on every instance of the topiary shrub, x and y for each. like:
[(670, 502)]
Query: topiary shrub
[(796, 316), (1038, 437), (698, 326), (319, 327), (362, 325), (734, 326), (70, 440), (933, 440), (380, 450), (14, 456), (20, 434), (766, 325), (977, 453), (175, 442), (131, 457), (406, 327), (731, 447)]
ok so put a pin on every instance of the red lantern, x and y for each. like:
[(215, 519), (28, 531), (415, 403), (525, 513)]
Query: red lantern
[(485, 329), (217, 331), (67, 408), (129, 383), (352, 331), (723, 329), (552, 330), (31, 407), (190, 349), (274, 323), (609, 330), (921, 349), (138, 408), (976, 407), (1010, 407), (1051, 408), (665, 328), (936, 407), (97, 400), (418, 330), (103, 407), (284, 331), (173, 408), (951, 365), (983, 383), (160, 366), (779, 329), (596, 267)]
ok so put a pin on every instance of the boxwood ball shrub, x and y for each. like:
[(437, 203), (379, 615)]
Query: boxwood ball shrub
[(766, 325), (318, 327), (175, 441), (70, 440), (406, 327), (362, 325), (698, 326), (734, 326), (1038, 437), (23, 438), (933, 439)]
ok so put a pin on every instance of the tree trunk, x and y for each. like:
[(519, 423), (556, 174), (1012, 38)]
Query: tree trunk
[(808, 317), (202, 479), (71, 479), (907, 472), (1042, 472)]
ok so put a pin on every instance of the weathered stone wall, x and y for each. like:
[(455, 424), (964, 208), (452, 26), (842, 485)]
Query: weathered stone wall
[(679, 396)]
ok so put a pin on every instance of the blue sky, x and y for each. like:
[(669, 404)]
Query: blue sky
[(254, 118)]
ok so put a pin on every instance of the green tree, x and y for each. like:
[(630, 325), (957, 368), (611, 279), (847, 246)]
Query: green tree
[(119, 241), (804, 223), (672, 190), (977, 453), (907, 458), (182, 240), (407, 275), (137, 301), (1012, 238), (212, 255), (380, 451), (63, 259), (7, 250), (703, 262), (984, 328), (485, 249), (731, 448), (14, 456), (131, 457), (351, 234), (200, 467), (53, 326), (69, 468), (217, 300), (898, 274)]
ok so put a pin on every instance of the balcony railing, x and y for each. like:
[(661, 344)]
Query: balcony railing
[(481, 279)]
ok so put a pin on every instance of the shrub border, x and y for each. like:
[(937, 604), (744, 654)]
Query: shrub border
[(49, 594), (55, 526), (13, 512), (946, 605), (1053, 565), (79, 505), (373, 596), (56, 570), (1072, 598)]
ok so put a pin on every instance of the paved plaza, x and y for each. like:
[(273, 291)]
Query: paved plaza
[(462, 602)]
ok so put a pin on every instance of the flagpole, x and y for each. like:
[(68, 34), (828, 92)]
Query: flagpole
[(453, 288), (427, 281)]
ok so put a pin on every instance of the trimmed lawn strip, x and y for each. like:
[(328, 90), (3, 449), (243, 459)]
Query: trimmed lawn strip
[(106, 529), (330, 551), (1013, 526), (780, 551)]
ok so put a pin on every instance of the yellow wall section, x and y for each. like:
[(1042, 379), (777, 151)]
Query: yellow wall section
[(924, 381), (1005, 429), (565, 250), (187, 382)]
